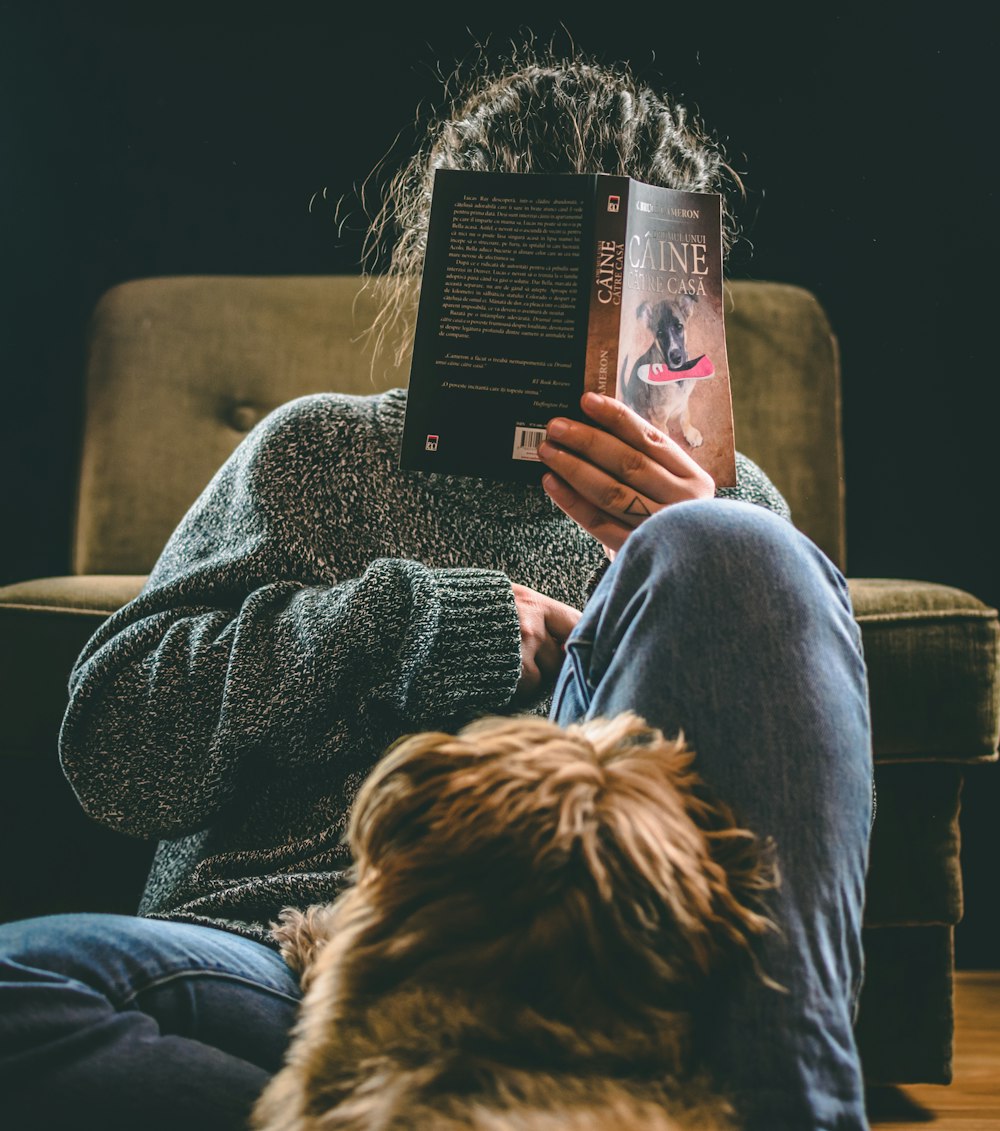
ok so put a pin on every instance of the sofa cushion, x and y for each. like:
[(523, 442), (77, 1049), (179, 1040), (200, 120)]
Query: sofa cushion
[(933, 670)]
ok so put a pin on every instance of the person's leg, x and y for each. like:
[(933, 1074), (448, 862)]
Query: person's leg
[(117, 1022), (720, 619)]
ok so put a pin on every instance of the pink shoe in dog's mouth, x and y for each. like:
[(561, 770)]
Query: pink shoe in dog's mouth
[(692, 370)]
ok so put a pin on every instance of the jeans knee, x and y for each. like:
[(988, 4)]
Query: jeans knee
[(715, 532), (53, 941), (729, 553)]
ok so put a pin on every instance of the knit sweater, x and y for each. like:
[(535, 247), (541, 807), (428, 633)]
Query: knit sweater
[(315, 603)]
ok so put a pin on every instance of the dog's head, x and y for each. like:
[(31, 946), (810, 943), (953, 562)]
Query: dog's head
[(667, 319), (560, 864)]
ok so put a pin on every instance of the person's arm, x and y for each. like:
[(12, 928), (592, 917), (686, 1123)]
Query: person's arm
[(242, 659)]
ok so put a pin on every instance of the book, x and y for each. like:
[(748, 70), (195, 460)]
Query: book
[(538, 287)]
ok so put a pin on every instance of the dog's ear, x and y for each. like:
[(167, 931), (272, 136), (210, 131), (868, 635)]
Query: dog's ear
[(391, 808), (686, 304), (645, 314)]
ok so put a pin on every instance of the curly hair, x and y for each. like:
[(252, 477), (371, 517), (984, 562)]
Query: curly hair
[(544, 115)]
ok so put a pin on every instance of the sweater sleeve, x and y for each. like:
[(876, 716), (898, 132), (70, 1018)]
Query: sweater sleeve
[(237, 662)]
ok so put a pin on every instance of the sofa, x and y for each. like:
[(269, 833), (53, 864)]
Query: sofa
[(178, 370)]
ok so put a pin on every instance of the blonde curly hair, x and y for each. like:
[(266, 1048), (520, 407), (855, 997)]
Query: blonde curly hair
[(542, 114)]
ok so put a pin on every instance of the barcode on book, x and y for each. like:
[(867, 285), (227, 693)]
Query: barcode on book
[(526, 441)]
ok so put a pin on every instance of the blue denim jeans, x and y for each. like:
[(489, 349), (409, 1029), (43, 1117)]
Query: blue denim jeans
[(123, 1023), (721, 620), (718, 618)]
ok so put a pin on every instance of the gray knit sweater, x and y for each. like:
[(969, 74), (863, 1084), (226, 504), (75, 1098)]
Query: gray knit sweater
[(314, 604)]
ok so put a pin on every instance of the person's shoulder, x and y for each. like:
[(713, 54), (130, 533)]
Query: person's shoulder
[(328, 420), (323, 412)]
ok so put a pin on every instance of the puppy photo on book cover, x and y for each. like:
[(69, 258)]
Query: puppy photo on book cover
[(673, 369)]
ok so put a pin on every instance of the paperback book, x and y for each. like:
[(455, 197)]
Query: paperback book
[(537, 288)]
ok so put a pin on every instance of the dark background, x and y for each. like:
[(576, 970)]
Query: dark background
[(157, 141)]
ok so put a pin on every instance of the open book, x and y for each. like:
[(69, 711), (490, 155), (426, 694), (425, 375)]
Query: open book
[(538, 287)]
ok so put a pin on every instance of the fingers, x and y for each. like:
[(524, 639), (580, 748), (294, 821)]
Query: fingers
[(621, 439), (626, 466), (545, 626), (611, 475), (638, 434), (560, 620), (610, 531), (625, 501)]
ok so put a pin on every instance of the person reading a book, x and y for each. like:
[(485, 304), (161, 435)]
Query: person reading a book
[(316, 603)]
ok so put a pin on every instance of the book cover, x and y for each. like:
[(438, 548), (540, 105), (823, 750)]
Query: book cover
[(536, 287)]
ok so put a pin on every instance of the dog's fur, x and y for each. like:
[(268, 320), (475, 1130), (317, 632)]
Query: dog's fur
[(535, 912), (669, 402)]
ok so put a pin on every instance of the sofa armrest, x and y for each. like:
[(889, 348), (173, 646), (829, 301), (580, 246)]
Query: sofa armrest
[(933, 655), (44, 625), (58, 858)]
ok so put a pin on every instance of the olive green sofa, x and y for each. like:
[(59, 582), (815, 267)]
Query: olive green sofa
[(179, 369)]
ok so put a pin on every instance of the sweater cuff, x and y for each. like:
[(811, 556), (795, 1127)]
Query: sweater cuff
[(475, 662)]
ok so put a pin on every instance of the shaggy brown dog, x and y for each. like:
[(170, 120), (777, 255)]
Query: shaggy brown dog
[(534, 912)]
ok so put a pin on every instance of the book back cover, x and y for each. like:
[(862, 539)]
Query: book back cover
[(501, 324)]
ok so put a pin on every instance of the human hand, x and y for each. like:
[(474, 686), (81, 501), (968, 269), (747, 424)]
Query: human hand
[(545, 626), (610, 478)]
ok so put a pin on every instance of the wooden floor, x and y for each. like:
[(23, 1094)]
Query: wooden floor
[(972, 1101)]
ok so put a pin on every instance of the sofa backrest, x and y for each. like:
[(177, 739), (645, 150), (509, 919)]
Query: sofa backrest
[(179, 369)]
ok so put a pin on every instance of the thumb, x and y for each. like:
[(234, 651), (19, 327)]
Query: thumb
[(560, 620)]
